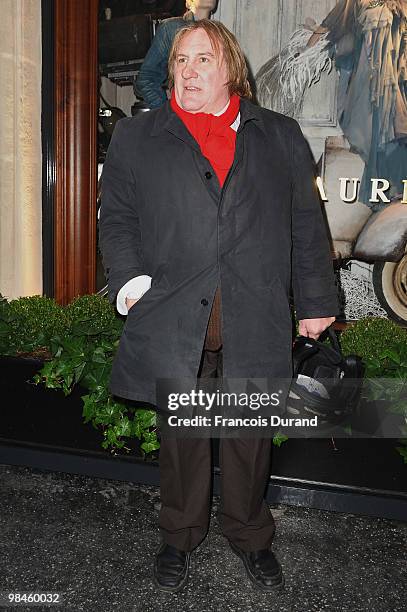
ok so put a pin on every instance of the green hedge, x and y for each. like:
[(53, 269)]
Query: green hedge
[(29, 323), (368, 338)]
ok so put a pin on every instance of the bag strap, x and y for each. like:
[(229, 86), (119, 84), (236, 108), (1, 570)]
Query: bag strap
[(333, 338)]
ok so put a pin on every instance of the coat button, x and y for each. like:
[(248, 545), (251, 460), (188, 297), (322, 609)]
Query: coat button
[(208, 175), (204, 302)]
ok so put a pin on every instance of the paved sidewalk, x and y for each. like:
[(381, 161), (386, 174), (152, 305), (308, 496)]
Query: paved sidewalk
[(94, 541)]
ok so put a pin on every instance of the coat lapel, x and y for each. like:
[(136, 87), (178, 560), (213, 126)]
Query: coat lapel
[(168, 121)]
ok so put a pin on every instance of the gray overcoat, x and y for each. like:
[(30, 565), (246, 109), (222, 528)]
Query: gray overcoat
[(164, 214)]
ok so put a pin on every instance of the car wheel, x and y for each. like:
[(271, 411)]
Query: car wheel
[(390, 285)]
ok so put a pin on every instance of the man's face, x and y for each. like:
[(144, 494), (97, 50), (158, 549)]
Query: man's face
[(200, 78)]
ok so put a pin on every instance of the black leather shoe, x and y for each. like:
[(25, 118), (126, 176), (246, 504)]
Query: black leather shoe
[(171, 568), (262, 567)]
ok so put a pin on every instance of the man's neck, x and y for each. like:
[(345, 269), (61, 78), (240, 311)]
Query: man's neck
[(201, 14), (223, 110)]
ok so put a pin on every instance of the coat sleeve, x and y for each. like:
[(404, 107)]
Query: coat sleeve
[(313, 278), (120, 239)]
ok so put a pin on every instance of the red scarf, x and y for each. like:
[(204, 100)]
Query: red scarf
[(214, 135)]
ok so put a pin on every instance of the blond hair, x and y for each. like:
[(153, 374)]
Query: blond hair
[(222, 41)]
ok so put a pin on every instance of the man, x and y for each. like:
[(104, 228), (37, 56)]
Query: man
[(215, 199), (153, 74)]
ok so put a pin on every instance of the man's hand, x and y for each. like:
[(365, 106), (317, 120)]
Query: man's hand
[(315, 37), (130, 303), (313, 328)]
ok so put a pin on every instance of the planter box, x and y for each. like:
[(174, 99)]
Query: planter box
[(361, 464), (44, 429), (32, 414)]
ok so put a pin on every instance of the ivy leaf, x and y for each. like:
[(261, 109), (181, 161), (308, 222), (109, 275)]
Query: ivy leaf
[(279, 438)]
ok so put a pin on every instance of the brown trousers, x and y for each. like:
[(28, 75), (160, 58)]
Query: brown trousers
[(185, 485)]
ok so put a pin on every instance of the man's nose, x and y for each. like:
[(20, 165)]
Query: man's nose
[(189, 71)]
